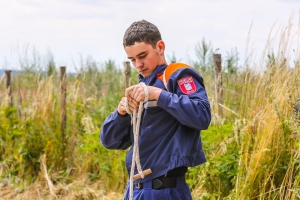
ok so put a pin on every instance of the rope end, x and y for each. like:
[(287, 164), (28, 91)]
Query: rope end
[(145, 172)]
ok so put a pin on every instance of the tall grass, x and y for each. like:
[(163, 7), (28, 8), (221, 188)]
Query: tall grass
[(256, 155)]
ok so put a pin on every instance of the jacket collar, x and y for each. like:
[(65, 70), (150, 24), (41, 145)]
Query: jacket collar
[(152, 77)]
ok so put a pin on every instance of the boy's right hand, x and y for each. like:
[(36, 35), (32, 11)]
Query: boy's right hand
[(131, 103)]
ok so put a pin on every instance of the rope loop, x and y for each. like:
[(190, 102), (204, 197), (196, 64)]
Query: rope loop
[(127, 106), (146, 91), (136, 122)]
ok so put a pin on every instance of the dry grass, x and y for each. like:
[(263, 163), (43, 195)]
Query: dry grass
[(76, 190), (44, 188)]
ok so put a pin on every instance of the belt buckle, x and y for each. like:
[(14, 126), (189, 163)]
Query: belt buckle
[(157, 184), (139, 185)]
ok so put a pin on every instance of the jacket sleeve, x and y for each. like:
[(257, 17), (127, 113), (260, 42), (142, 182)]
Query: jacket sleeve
[(115, 132), (186, 99)]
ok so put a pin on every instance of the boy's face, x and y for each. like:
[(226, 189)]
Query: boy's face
[(144, 57)]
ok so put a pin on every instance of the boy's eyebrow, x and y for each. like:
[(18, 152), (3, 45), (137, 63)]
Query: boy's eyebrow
[(138, 54)]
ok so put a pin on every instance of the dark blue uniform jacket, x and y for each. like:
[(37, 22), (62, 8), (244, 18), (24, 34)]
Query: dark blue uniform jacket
[(170, 127)]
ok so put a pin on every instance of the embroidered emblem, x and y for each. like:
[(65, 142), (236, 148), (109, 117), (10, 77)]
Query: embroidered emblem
[(187, 85)]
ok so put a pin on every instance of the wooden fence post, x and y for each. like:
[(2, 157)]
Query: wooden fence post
[(127, 73), (63, 104), (218, 82), (9, 87)]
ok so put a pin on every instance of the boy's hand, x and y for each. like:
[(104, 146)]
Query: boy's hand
[(137, 93), (131, 103)]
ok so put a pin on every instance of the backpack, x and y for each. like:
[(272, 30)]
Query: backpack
[(170, 69)]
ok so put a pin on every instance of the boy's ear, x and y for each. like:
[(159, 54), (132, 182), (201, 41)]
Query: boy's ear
[(160, 46)]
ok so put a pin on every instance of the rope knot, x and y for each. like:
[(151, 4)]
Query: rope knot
[(145, 100)]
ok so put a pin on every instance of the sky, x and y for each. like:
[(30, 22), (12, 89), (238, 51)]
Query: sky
[(74, 30)]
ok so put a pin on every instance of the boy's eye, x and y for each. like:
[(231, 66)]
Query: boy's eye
[(142, 56)]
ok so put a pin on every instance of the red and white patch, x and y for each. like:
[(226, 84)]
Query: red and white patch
[(187, 85)]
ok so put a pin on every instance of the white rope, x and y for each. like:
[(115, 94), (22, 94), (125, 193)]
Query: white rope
[(136, 121)]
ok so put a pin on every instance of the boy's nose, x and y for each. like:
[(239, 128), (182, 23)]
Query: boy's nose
[(139, 64)]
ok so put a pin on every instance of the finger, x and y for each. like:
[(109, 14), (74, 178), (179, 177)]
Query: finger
[(132, 107), (133, 103), (123, 102), (121, 107), (128, 91), (134, 92), (138, 93)]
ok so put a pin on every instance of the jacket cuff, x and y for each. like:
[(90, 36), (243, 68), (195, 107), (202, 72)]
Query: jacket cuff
[(163, 99), (121, 119)]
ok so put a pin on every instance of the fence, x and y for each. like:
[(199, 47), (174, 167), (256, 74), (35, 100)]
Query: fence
[(127, 74)]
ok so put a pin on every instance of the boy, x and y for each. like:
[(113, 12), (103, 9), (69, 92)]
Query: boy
[(173, 116)]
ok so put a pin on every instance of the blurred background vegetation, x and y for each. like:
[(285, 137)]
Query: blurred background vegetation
[(252, 149)]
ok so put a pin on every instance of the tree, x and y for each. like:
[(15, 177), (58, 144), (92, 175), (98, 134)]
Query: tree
[(50, 64), (173, 59), (231, 60), (204, 53)]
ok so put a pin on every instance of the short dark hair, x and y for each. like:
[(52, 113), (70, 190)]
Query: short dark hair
[(141, 31)]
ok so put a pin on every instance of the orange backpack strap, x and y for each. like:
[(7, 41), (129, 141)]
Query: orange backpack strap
[(170, 69)]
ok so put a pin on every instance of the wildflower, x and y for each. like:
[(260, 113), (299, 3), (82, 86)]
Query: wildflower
[(88, 125)]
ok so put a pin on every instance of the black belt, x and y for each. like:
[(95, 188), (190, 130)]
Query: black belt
[(160, 183)]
